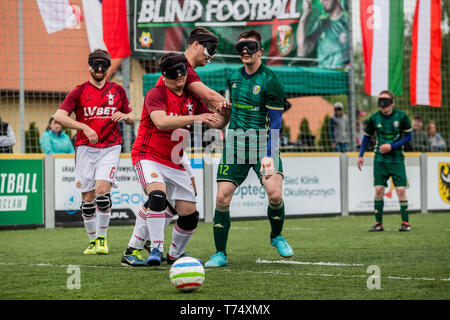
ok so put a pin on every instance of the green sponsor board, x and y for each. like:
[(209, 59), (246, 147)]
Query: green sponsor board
[(21, 192), (159, 26)]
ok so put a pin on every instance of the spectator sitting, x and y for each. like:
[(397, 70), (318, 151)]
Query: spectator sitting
[(437, 144), (419, 141), (54, 140), (7, 138)]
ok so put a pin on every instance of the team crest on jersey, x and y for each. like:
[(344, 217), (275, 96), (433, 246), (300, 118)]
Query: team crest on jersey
[(189, 105), (444, 181), (396, 124), (154, 175), (379, 125), (78, 184), (256, 89), (284, 39), (110, 98)]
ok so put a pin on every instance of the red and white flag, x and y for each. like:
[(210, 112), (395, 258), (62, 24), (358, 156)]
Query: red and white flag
[(107, 29), (382, 35), (58, 15), (425, 73)]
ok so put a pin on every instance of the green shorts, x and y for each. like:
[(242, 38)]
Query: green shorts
[(382, 171), (237, 172)]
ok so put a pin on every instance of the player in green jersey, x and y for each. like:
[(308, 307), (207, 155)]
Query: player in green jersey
[(329, 34), (392, 128), (257, 101)]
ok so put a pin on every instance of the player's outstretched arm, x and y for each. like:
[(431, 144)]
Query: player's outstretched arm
[(165, 122), (211, 97)]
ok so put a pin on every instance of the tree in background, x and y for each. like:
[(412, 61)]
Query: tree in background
[(32, 139), (305, 137), (324, 140)]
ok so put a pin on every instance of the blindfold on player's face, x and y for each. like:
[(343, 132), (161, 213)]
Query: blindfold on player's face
[(172, 73), (250, 46), (95, 64), (385, 102)]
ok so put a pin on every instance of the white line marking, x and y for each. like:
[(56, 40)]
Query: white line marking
[(334, 264)]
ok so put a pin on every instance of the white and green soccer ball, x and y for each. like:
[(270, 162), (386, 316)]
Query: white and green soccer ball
[(187, 274)]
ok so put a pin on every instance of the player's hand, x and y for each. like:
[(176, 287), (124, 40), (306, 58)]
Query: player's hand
[(360, 163), (385, 148), (211, 119), (267, 167), (119, 116), (91, 135)]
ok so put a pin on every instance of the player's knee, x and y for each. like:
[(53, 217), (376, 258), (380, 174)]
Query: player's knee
[(275, 196), (87, 209), (156, 201), (401, 192), (223, 199), (379, 192), (103, 201), (188, 222)]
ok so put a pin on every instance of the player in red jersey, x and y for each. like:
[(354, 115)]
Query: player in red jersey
[(157, 159), (98, 105)]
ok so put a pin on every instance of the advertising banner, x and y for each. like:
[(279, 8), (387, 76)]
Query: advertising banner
[(311, 185), (127, 198), (293, 31), (438, 181), (361, 191), (21, 191)]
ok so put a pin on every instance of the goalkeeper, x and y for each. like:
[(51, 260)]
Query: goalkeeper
[(389, 125), (257, 95)]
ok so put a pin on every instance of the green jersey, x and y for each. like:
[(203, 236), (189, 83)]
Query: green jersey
[(251, 98), (388, 129), (333, 50)]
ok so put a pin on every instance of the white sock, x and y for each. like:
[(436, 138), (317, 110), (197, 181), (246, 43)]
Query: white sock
[(90, 224), (155, 224), (180, 239), (169, 217), (140, 232), (103, 222)]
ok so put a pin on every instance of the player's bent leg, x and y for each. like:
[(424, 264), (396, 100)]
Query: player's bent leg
[(132, 255), (156, 205), (182, 231)]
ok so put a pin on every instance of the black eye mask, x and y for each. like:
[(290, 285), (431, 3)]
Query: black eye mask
[(95, 64), (385, 102), (172, 73), (250, 46)]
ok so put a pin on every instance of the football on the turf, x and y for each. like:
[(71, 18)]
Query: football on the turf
[(187, 274)]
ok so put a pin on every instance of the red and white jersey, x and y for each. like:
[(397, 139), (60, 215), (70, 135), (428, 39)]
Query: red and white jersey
[(154, 144), (94, 107)]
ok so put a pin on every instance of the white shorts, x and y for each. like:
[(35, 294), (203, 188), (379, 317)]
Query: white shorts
[(93, 164), (178, 183)]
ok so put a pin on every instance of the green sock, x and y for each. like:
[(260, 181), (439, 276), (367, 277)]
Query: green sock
[(379, 205), (221, 227), (276, 218), (404, 211)]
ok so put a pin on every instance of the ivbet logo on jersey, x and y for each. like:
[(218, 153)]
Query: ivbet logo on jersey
[(21, 194)]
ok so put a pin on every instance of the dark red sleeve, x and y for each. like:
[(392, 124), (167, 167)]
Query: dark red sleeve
[(156, 99), (125, 107), (200, 106), (72, 100), (192, 76)]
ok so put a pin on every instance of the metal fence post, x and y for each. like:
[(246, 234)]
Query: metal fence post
[(344, 184), (49, 191), (423, 184)]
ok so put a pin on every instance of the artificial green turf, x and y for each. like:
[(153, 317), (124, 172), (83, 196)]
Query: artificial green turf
[(413, 265)]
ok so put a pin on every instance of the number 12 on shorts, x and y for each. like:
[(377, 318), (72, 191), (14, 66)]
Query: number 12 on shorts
[(223, 168)]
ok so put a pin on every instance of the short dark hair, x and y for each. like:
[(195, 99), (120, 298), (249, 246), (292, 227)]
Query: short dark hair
[(389, 93), (170, 59), (198, 31), (250, 34)]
